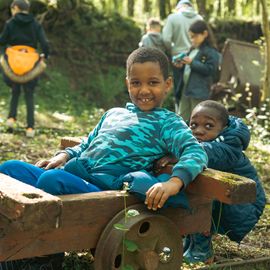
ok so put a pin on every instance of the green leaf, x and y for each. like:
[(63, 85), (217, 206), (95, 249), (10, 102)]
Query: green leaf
[(132, 213), (120, 227), (127, 267), (130, 245)]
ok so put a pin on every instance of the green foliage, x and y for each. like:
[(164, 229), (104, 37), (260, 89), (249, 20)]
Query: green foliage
[(94, 65), (127, 267), (106, 89), (130, 245), (78, 261), (55, 92), (120, 227), (132, 213), (248, 31), (258, 121)]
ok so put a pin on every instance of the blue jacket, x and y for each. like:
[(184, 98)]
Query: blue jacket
[(225, 154), (204, 69)]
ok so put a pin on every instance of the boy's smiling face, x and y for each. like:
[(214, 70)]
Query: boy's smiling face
[(204, 124), (146, 85)]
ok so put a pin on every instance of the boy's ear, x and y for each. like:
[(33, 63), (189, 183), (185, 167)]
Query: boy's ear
[(169, 83), (127, 82), (205, 33)]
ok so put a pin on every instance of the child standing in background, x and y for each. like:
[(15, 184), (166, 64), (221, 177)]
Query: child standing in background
[(199, 69), (153, 37), (23, 29)]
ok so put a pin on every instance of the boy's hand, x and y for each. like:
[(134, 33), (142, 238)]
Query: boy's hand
[(54, 162), (158, 194)]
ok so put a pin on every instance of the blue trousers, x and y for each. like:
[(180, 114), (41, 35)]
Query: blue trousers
[(54, 181), (62, 181)]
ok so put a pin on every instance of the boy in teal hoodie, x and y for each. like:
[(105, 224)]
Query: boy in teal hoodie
[(124, 145)]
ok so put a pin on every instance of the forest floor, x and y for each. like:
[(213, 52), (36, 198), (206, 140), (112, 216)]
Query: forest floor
[(51, 127)]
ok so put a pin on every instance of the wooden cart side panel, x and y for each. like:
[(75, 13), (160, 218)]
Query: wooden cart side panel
[(83, 219), (225, 187)]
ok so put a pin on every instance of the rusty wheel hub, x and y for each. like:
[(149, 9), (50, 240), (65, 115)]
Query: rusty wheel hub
[(155, 243)]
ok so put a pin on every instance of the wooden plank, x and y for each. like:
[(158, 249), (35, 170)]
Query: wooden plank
[(225, 187), (26, 207), (83, 219)]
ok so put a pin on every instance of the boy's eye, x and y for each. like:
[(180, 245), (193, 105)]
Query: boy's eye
[(209, 126), (192, 125), (153, 83), (134, 83)]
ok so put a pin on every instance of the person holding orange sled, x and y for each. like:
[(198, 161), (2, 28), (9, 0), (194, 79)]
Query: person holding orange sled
[(21, 63)]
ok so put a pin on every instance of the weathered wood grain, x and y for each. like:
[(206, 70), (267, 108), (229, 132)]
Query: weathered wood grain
[(83, 219), (27, 207), (225, 187)]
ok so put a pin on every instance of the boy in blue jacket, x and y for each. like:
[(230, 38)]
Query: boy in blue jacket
[(224, 138)]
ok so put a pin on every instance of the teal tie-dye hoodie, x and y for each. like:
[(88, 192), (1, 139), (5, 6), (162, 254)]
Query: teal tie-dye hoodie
[(132, 140)]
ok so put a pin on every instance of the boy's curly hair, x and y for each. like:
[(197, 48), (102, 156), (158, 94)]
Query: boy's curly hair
[(147, 54), (221, 112)]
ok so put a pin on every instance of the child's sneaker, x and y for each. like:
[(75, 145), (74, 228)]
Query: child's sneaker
[(200, 249), (30, 132), (10, 123)]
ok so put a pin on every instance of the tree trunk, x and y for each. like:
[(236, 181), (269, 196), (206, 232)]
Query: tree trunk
[(231, 7), (162, 8), (131, 8), (218, 8), (266, 32), (147, 6), (202, 8), (4, 4), (168, 7), (116, 5)]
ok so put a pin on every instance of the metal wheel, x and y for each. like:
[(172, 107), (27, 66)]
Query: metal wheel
[(159, 244)]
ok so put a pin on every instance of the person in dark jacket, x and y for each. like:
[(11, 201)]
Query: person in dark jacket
[(176, 38), (199, 69), (224, 138), (153, 37), (23, 29)]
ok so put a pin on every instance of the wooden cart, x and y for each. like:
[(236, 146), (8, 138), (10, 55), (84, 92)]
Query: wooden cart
[(35, 223)]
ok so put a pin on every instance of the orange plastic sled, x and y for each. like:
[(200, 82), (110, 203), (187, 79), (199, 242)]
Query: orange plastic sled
[(22, 64), (21, 59)]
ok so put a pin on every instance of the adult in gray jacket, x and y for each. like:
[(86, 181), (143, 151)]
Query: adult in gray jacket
[(176, 38)]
